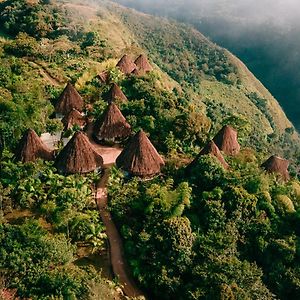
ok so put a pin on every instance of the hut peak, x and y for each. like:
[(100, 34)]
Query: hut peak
[(112, 126), (126, 65), (68, 100), (78, 156), (103, 77), (226, 140), (140, 157), (142, 64), (74, 117), (212, 149), (276, 164), (115, 93), (31, 148)]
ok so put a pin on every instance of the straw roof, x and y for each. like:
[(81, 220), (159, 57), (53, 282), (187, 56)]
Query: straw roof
[(211, 149), (112, 125), (126, 65), (226, 140), (74, 117), (78, 156), (103, 77), (277, 165), (142, 64), (68, 100), (140, 158), (31, 148), (115, 93)]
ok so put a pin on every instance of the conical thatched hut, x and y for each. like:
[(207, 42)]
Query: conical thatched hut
[(31, 148), (142, 64), (226, 140), (126, 65), (140, 158), (210, 149), (103, 77), (68, 100), (78, 156), (74, 117), (112, 126), (115, 94), (277, 165)]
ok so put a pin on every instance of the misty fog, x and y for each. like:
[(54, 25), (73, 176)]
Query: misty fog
[(265, 34)]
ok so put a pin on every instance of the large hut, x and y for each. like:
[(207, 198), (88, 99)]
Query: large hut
[(112, 126), (115, 94), (277, 165), (31, 147), (74, 117), (140, 158), (126, 65), (210, 149), (142, 65), (78, 156), (227, 141), (68, 100)]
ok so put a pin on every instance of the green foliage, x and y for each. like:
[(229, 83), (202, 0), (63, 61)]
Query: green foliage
[(37, 263)]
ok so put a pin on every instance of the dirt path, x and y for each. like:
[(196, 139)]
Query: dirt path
[(46, 75), (119, 266)]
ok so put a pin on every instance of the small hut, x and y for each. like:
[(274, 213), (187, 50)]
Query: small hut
[(126, 65), (142, 65), (78, 156), (112, 126), (210, 149), (277, 165), (103, 77), (68, 100), (74, 117), (31, 148), (140, 158), (115, 94), (226, 140)]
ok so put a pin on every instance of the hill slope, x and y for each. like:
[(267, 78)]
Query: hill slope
[(265, 36), (210, 79)]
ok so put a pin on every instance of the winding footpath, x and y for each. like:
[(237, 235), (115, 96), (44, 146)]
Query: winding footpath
[(119, 265)]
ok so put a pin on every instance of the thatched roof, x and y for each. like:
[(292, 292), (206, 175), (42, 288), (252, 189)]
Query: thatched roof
[(31, 148), (139, 157), (112, 125), (74, 117), (126, 65), (211, 149), (68, 100), (142, 64), (277, 165), (226, 140), (78, 156), (103, 77), (115, 93)]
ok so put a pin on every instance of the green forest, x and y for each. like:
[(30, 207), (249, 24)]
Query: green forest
[(194, 231)]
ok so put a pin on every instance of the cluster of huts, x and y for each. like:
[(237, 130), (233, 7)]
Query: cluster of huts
[(139, 157)]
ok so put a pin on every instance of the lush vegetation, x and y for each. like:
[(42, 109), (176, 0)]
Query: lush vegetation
[(203, 234), (267, 40), (44, 217), (211, 234)]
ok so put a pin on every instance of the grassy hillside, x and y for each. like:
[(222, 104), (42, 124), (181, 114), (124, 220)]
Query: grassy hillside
[(265, 36), (91, 37)]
